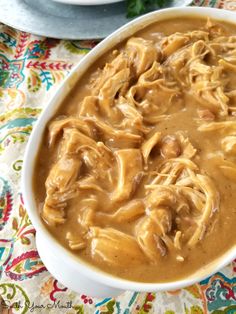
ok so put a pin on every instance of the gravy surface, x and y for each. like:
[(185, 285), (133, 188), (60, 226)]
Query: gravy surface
[(136, 173)]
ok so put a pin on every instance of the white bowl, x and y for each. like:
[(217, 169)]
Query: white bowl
[(88, 2), (71, 271)]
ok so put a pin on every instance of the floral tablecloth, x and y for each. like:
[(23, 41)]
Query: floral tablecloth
[(30, 70)]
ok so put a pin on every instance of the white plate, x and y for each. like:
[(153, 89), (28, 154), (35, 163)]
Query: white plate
[(62, 20), (87, 2), (59, 20)]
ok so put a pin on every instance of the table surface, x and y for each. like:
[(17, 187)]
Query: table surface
[(30, 70)]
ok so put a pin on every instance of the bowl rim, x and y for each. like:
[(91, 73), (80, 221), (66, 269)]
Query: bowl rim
[(34, 142), (88, 2)]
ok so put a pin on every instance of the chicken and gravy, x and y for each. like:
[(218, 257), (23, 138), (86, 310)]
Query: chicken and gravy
[(136, 173)]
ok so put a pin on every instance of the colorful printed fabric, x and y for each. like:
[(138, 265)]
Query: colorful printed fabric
[(31, 69)]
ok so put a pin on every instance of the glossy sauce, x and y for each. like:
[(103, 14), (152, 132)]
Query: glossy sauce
[(186, 113)]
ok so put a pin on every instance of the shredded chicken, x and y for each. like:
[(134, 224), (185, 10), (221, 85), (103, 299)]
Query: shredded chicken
[(109, 133), (136, 180), (60, 188), (148, 237), (58, 125), (114, 247), (149, 145), (75, 242), (129, 173), (142, 53)]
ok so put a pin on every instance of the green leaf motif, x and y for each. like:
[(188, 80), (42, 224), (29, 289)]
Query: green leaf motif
[(25, 241), (17, 165), (195, 309), (12, 293), (4, 77), (18, 269), (2, 202), (34, 82), (14, 224), (22, 211), (79, 47), (79, 309), (229, 310), (110, 306)]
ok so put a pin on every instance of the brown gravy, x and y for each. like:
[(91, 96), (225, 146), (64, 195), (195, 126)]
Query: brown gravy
[(136, 173)]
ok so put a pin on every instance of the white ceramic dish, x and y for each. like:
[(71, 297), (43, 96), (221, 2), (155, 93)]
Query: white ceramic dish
[(72, 272), (88, 2)]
